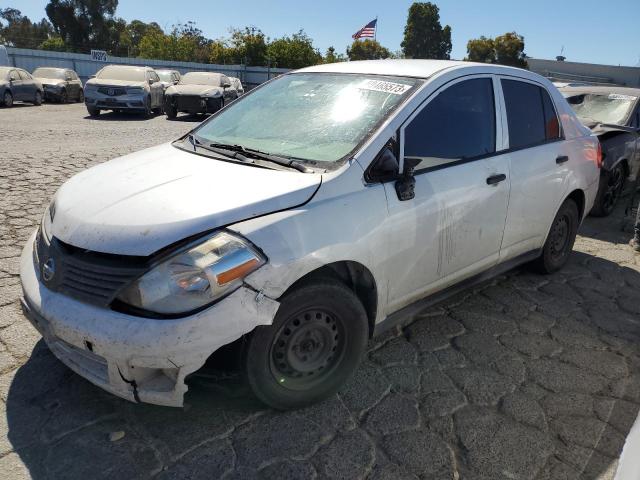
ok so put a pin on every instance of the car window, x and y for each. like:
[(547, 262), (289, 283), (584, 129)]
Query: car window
[(24, 75), (531, 116), (155, 77), (458, 124)]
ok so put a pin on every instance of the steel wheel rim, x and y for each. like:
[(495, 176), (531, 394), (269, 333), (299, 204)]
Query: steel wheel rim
[(307, 349), (614, 189), (559, 237)]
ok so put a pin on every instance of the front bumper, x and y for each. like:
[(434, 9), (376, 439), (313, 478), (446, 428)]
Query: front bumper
[(99, 100), (195, 103), (51, 94), (136, 358)]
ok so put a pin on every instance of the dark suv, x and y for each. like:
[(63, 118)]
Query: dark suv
[(60, 84)]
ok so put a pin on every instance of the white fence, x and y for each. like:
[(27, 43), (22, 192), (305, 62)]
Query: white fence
[(85, 66)]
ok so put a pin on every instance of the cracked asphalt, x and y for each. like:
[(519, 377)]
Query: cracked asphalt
[(526, 376)]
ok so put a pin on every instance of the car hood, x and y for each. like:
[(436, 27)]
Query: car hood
[(49, 81), (600, 128), (101, 82), (192, 89), (142, 202)]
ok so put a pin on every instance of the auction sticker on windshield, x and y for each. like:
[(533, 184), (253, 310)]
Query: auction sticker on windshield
[(382, 86), (618, 96)]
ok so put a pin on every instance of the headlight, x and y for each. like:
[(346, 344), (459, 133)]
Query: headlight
[(195, 277), (134, 90), (47, 219), (90, 88)]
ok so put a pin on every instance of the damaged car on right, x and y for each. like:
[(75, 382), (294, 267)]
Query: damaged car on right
[(613, 114)]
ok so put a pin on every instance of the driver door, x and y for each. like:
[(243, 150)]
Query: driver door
[(453, 227)]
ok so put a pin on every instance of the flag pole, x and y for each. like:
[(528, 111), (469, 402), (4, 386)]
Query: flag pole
[(375, 31)]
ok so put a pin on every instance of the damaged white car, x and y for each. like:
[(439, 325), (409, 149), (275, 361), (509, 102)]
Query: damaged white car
[(319, 209)]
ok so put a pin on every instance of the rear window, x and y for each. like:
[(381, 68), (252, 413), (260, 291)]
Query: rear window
[(531, 116)]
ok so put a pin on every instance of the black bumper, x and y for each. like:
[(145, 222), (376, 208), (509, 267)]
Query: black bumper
[(195, 104)]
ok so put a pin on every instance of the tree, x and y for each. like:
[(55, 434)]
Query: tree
[(18, 31), (424, 37), (332, 57), (367, 50), (248, 46), (296, 51), (481, 50), (55, 44), (507, 49), (133, 34), (86, 24), (510, 50)]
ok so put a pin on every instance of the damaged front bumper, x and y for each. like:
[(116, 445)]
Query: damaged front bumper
[(139, 359)]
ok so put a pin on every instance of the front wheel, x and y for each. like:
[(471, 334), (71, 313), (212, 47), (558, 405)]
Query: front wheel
[(38, 99), (94, 112), (609, 191), (557, 249), (170, 109), (80, 96), (7, 99), (314, 345), (64, 98)]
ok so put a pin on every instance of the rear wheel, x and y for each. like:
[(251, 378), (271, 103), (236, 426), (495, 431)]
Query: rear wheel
[(38, 98), (557, 249), (315, 343), (7, 99), (609, 191)]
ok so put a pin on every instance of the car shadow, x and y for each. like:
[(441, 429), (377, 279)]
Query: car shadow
[(106, 116), (575, 420), (189, 118), (616, 228)]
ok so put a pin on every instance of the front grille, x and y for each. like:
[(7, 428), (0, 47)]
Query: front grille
[(112, 91), (91, 277), (189, 102)]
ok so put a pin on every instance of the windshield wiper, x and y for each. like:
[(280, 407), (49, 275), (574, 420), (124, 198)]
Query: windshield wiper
[(236, 155), (245, 152)]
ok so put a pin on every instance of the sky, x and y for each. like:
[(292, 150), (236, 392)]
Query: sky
[(587, 30)]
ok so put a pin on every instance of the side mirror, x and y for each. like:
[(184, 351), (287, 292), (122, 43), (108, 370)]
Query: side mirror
[(405, 186), (151, 81), (226, 85)]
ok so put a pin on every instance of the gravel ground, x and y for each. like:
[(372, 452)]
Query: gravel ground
[(524, 377)]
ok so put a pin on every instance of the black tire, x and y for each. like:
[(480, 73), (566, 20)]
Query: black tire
[(314, 345), (146, 113), (158, 110), (170, 110), (609, 191), (557, 249), (7, 99), (64, 98), (80, 96), (94, 112), (38, 100)]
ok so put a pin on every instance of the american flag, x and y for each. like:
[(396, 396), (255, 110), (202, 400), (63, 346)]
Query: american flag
[(368, 31)]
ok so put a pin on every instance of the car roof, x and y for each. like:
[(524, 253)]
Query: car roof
[(602, 89), (401, 67), (118, 65)]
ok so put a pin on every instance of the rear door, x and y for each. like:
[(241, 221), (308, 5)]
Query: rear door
[(453, 227), (538, 161), (29, 87)]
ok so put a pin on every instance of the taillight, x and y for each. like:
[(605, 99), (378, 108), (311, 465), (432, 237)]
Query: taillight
[(599, 156)]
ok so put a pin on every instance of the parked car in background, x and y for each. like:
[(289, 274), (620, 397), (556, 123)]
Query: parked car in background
[(320, 209), (199, 92), (613, 114), (60, 84), (237, 85), (124, 88), (168, 77), (17, 84)]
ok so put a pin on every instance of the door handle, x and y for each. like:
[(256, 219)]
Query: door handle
[(562, 159), (496, 179)]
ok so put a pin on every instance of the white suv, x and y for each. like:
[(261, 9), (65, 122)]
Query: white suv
[(316, 211)]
